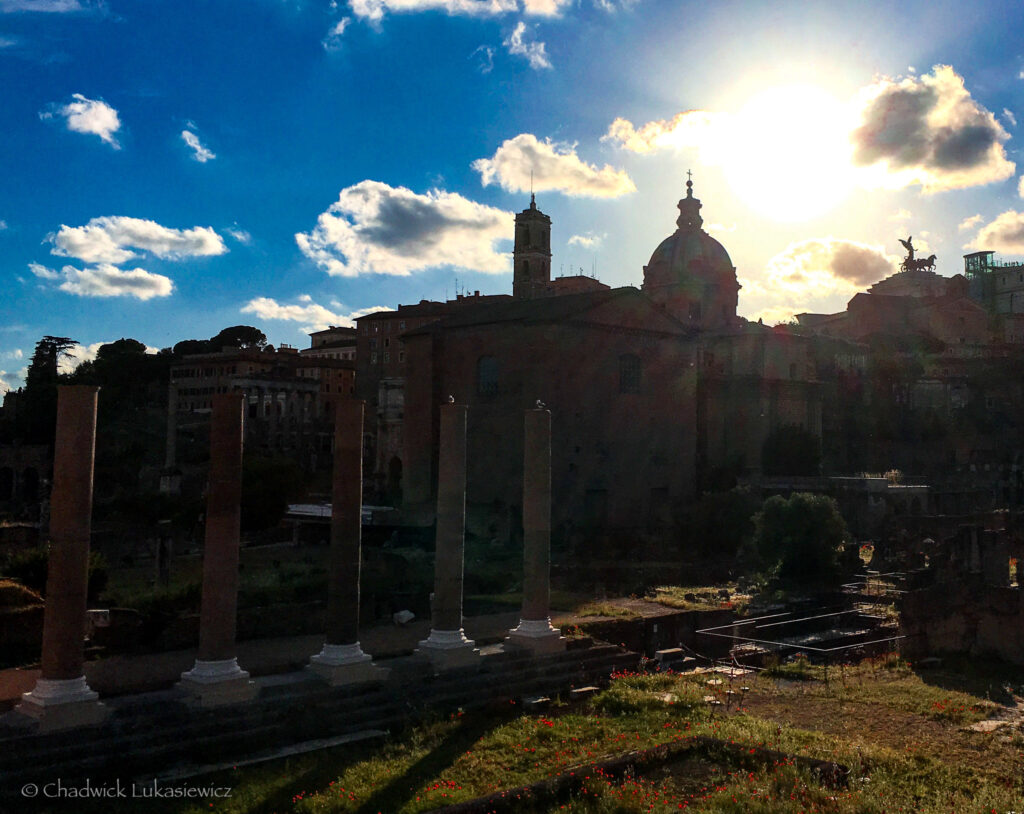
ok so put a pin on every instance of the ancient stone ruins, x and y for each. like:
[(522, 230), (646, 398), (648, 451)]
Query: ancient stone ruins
[(216, 705)]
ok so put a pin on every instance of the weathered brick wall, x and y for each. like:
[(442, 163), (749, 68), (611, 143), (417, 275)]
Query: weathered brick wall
[(966, 616)]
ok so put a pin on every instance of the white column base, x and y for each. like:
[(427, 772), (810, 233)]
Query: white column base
[(340, 664), (449, 650), (214, 683), (536, 635), (56, 704)]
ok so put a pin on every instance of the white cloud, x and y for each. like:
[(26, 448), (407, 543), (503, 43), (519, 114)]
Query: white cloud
[(50, 6), (199, 152), (43, 272), (902, 214), (374, 10), (719, 228), (376, 228), (824, 266), (1008, 115), (927, 130), (924, 130), (332, 42), (545, 8), (105, 280), (76, 355), (534, 52), (486, 64), (1004, 234), (3, 225), (1020, 186), (553, 166), (970, 223), (315, 317), (588, 241), (240, 235), (91, 116), (12, 381), (107, 240), (611, 6), (691, 128)]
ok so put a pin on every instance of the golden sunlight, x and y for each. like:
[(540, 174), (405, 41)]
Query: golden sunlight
[(788, 153)]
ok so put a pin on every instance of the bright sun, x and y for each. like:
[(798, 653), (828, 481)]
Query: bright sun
[(788, 153)]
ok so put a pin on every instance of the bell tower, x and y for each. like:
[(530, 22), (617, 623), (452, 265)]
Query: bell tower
[(531, 257)]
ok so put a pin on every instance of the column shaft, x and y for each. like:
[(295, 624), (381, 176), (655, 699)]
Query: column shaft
[(217, 617), (537, 515), (346, 524), (451, 519), (70, 526)]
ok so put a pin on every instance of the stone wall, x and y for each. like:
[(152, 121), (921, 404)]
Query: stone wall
[(965, 616)]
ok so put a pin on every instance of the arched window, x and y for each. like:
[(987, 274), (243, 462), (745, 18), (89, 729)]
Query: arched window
[(487, 376), (629, 373)]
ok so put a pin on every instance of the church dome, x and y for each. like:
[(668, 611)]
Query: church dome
[(691, 274), (689, 252)]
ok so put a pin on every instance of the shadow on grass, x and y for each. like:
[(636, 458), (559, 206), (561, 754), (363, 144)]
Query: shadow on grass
[(986, 679), (395, 794)]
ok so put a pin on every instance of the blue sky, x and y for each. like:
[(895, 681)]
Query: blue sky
[(171, 168)]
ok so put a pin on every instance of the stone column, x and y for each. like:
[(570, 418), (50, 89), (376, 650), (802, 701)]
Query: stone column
[(342, 660), (535, 631), (170, 478), (216, 677), (447, 646), (61, 698)]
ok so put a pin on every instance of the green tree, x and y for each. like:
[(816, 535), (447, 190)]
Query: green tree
[(189, 347), (790, 450), (239, 336), (802, 535), (38, 419)]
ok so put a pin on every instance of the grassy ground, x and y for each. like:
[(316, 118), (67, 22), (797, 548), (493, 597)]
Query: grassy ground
[(701, 597), (904, 735)]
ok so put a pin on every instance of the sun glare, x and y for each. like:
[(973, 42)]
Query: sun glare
[(789, 154)]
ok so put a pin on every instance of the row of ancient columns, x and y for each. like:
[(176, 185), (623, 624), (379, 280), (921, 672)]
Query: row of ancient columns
[(62, 698)]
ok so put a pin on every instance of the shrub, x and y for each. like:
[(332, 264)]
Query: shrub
[(30, 568), (15, 595), (803, 535)]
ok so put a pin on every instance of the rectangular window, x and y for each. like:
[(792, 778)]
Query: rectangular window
[(629, 373), (401, 325), (387, 341), (387, 356), (401, 356), (373, 358)]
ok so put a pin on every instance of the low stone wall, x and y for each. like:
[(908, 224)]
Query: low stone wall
[(966, 616), (673, 628)]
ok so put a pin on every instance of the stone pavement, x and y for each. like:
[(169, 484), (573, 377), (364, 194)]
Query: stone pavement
[(144, 672)]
